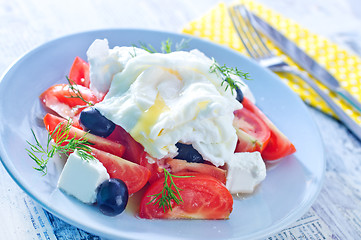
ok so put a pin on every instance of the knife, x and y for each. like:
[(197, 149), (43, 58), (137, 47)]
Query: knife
[(303, 60)]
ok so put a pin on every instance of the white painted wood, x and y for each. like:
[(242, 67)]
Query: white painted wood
[(25, 24)]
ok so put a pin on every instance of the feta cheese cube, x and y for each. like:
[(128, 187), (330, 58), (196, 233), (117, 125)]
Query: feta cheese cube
[(81, 178), (244, 172)]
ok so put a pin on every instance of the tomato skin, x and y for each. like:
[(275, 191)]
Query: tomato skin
[(155, 168), (79, 72), (133, 175), (279, 145), (253, 133), (133, 150), (51, 122), (62, 100), (204, 197), (109, 153), (176, 166)]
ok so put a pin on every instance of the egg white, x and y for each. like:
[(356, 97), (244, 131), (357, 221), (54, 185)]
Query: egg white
[(162, 99)]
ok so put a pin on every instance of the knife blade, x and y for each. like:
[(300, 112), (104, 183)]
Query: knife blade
[(303, 60)]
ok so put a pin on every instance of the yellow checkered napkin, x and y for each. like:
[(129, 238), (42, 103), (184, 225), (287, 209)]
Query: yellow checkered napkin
[(217, 26)]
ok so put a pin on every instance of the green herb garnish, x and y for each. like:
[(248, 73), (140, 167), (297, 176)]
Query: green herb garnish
[(166, 46), (147, 47), (134, 54), (226, 74), (183, 44), (73, 87), (169, 192), (61, 145)]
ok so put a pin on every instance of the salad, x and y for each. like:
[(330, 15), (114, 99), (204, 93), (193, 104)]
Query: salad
[(176, 126)]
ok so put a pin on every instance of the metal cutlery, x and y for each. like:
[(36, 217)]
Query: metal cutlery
[(259, 51), (303, 60)]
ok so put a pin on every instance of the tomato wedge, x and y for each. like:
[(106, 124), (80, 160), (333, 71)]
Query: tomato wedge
[(176, 166), (51, 122), (253, 133), (133, 150), (79, 72), (279, 145), (133, 175), (63, 101), (155, 166), (204, 197)]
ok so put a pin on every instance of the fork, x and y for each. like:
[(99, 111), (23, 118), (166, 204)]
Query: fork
[(258, 50)]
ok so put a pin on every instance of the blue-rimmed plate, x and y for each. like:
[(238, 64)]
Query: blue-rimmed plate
[(287, 193)]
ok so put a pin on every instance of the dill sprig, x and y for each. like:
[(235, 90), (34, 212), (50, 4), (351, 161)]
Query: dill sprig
[(62, 145), (73, 87), (134, 54), (182, 45), (166, 46), (226, 74), (147, 47), (169, 192)]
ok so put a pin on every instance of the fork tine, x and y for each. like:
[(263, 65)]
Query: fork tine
[(249, 36), (246, 15), (239, 27)]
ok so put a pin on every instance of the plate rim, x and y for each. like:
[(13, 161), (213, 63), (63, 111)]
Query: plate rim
[(288, 219)]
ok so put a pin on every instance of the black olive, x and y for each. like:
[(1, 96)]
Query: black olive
[(94, 122), (239, 94), (188, 153)]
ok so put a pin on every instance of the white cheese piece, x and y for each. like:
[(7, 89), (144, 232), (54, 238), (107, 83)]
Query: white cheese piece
[(244, 172), (81, 178)]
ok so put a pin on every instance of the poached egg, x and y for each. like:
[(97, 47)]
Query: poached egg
[(162, 99)]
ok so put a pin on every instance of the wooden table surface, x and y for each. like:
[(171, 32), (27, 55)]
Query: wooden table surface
[(26, 24)]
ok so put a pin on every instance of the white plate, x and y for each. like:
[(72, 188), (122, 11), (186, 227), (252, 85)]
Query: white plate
[(287, 193)]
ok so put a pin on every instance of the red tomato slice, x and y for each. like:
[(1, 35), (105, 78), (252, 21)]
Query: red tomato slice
[(63, 101), (279, 145), (52, 121), (176, 166), (155, 166), (253, 134), (76, 123), (133, 175), (204, 197), (133, 150), (79, 72)]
